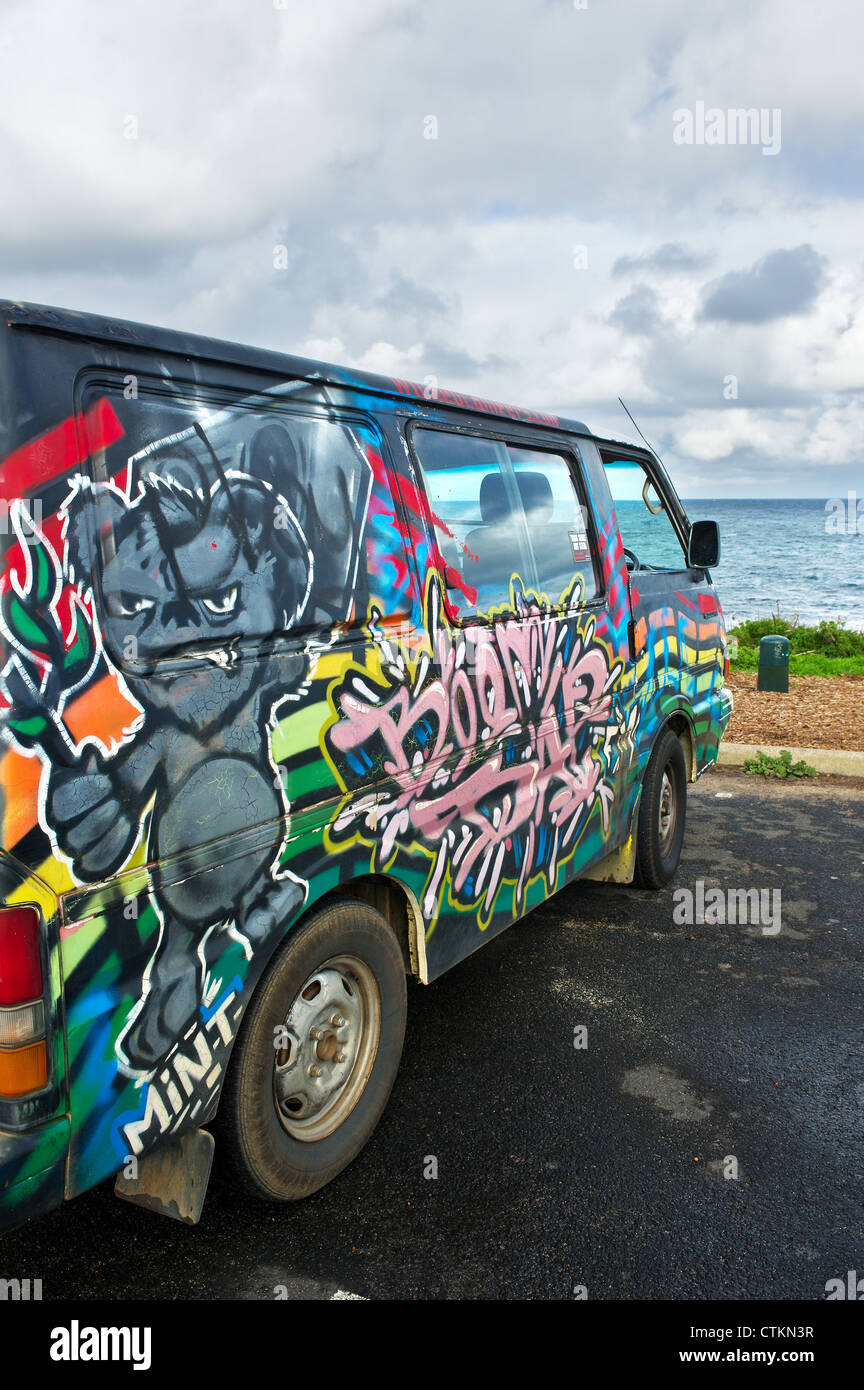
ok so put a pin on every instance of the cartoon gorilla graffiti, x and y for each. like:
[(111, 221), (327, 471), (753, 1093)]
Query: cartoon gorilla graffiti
[(204, 570)]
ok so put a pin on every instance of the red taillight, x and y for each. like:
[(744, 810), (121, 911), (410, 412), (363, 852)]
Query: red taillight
[(20, 956), (23, 1048)]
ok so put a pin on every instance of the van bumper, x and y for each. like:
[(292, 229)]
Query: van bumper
[(32, 1172)]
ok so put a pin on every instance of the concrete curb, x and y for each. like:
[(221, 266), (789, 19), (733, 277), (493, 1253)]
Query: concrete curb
[(841, 761)]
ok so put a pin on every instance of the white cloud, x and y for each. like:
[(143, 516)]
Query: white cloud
[(304, 126)]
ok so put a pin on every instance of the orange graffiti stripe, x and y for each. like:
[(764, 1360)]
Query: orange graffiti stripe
[(19, 777), (103, 710), (662, 617)]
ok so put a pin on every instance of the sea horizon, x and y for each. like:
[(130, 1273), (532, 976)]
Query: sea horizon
[(801, 554)]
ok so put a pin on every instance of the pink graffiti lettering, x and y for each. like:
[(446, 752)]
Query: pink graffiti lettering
[(490, 750)]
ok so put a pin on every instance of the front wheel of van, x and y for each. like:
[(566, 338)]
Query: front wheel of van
[(662, 813), (317, 1054)]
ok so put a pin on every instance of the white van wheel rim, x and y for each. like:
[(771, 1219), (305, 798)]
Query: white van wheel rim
[(668, 811), (326, 1048)]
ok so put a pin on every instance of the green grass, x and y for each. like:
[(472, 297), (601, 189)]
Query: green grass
[(828, 649), (815, 665)]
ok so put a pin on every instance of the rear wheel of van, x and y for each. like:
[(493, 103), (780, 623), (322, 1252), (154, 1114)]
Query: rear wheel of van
[(662, 813), (317, 1054)]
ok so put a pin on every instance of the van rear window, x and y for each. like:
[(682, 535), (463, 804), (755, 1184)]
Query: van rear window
[(220, 528)]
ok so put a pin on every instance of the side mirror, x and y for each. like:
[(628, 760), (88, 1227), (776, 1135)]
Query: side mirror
[(703, 550)]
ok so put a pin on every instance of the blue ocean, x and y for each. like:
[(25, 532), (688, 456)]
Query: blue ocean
[(784, 553)]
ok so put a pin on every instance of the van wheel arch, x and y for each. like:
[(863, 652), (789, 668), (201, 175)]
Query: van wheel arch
[(299, 1102), (396, 902), (682, 726), (391, 898), (662, 811)]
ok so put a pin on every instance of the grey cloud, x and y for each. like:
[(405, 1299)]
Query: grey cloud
[(683, 373), (744, 472), (101, 255), (638, 311), (670, 258), (783, 282), (443, 360), (406, 296)]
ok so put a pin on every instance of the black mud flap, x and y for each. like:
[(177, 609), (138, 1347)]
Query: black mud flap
[(173, 1178)]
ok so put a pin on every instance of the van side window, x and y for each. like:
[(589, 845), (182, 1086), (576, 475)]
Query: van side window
[(557, 523), (647, 531), (221, 529), (502, 513)]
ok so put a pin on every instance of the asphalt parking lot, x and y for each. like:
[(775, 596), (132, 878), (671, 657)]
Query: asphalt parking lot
[(708, 1141)]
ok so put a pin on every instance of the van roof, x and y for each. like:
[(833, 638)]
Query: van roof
[(138, 335)]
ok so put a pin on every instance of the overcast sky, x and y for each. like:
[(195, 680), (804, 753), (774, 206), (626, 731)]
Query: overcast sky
[(556, 245)]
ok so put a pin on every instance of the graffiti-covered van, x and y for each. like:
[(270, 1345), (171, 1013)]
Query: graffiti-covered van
[(310, 681)]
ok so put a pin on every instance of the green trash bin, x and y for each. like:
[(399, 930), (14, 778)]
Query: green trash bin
[(773, 664)]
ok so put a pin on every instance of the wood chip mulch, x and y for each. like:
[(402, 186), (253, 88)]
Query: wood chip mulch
[(818, 712)]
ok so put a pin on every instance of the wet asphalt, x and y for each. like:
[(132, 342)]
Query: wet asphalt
[(706, 1142)]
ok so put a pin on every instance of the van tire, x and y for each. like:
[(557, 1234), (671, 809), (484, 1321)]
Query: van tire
[(662, 813), (350, 953)]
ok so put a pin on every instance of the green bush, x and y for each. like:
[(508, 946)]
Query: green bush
[(763, 765), (828, 638), (828, 649)]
